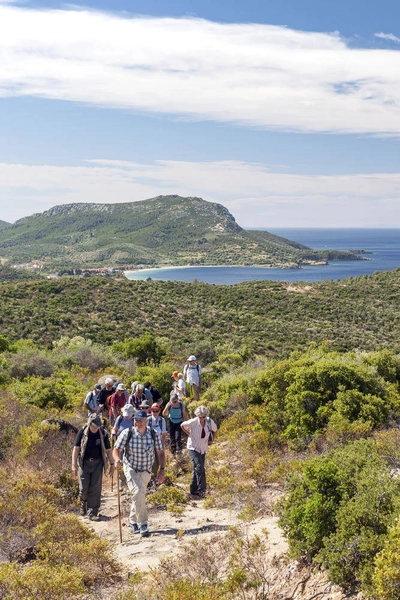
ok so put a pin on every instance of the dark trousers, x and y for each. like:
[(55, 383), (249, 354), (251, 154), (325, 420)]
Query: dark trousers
[(175, 435), (198, 481), (90, 481)]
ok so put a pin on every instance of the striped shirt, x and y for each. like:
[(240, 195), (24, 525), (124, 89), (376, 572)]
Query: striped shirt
[(140, 451), (195, 441)]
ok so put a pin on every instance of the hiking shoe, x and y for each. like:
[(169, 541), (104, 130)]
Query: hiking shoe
[(144, 532), (94, 517), (83, 509), (134, 527)]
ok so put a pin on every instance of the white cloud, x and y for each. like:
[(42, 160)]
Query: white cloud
[(251, 74), (256, 196), (388, 36)]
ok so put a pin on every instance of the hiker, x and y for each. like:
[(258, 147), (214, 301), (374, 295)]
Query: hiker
[(90, 452), (192, 373), (137, 396), (92, 401), (145, 405), (156, 396), (105, 393), (199, 430), (148, 394), (140, 443), (123, 421), (156, 422), (179, 384), (176, 413), (117, 401)]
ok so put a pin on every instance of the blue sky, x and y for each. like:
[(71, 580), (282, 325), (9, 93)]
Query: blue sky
[(285, 112)]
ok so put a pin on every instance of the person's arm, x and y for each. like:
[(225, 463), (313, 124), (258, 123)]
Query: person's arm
[(86, 404), (114, 408), (165, 412), (75, 454), (184, 429), (116, 454), (161, 459), (111, 460)]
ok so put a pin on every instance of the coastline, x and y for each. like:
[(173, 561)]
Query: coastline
[(152, 269)]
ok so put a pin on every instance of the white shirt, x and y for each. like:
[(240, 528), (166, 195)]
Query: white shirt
[(192, 374), (195, 441)]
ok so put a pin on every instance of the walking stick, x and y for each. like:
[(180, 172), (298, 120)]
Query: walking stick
[(112, 476), (119, 510)]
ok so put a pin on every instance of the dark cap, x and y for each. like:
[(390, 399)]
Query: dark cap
[(95, 420), (147, 384), (140, 414)]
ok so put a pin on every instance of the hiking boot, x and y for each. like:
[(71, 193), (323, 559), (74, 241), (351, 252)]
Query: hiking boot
[(94, 517), (134, 527), (144, 532), (83, 509)]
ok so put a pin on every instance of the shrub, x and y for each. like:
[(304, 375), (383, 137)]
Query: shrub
[(339, 509), (40, 580), (145, 349), (30, 362), (386, 576)]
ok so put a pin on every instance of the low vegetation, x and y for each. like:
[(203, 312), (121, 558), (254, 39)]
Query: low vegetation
[(317, 418)]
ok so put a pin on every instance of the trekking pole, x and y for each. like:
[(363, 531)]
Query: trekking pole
[(119, 510), (112, 476)]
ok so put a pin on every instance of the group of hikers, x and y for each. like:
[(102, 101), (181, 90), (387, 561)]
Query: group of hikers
[(137, 440)]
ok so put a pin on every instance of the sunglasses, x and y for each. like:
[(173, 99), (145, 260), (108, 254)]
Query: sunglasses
[(155, 411)]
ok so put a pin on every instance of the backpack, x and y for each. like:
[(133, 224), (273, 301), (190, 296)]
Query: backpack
[(153, 435), (211, 434)]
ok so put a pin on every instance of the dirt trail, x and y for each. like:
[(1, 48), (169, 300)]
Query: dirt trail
[(170, 533)]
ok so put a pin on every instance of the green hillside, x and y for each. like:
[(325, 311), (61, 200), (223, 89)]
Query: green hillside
[(4, 224), (269, 317), (160, 231)]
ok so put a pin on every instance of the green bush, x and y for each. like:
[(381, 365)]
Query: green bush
[(301, 395), (386, 576), (145, 349), (339, 509)]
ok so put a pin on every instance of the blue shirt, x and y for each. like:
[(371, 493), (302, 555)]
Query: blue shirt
[(176, 413)]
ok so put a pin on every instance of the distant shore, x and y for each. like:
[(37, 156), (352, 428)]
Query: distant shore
[(152, 269)]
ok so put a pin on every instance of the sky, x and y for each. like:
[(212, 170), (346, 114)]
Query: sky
[(287, 112)]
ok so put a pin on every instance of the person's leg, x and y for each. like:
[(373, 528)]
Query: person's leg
[(178, 438), (83, 482), (197, 473), (202, 476), (172, 435), (94, 491), (196, 392), (137, 485)]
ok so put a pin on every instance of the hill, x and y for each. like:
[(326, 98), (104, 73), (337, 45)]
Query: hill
[(4, 224), (166, 230), (269, 317)]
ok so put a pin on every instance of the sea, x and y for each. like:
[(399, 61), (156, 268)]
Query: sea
[(382, 244)]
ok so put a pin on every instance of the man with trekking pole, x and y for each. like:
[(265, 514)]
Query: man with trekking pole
[(139, 445)]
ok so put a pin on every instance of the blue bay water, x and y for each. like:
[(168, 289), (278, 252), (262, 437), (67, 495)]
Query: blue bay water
[(384, 245)]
